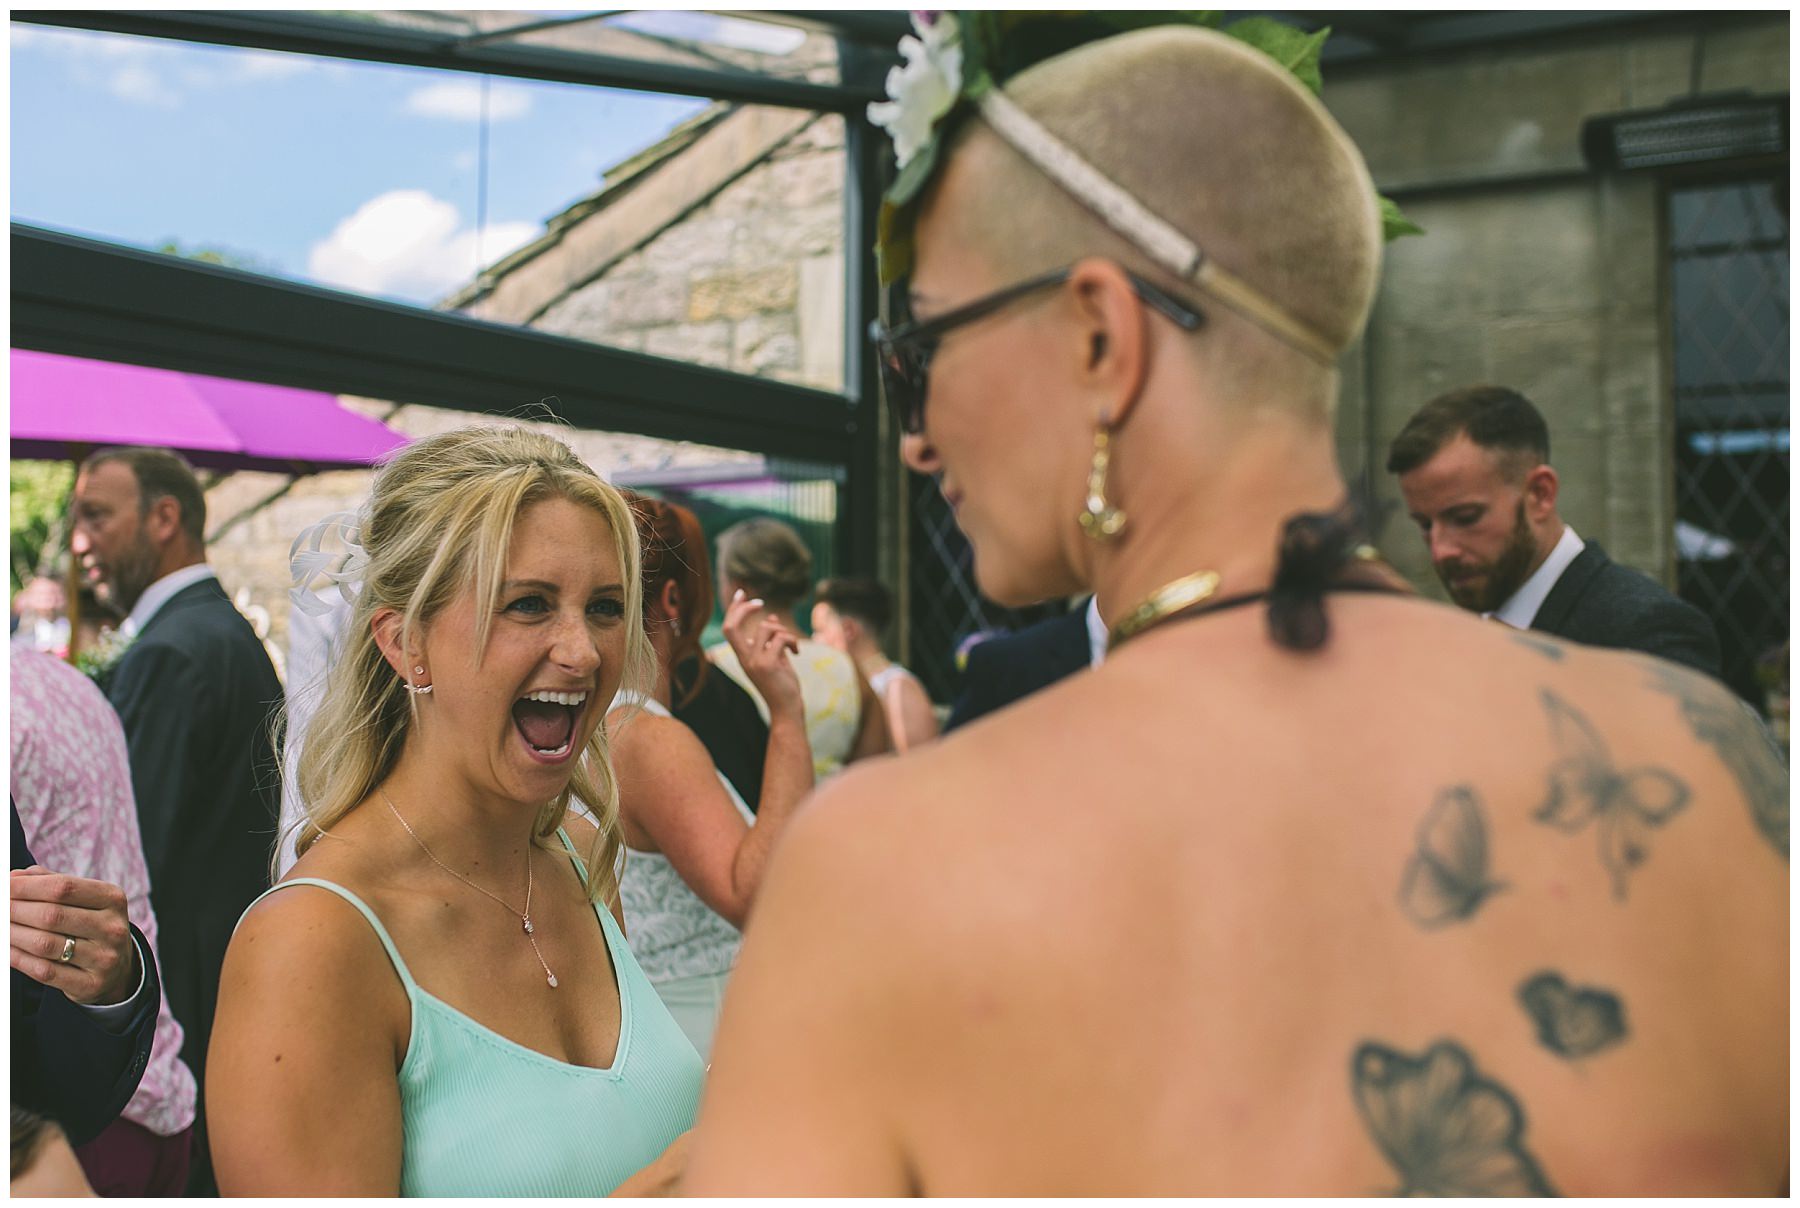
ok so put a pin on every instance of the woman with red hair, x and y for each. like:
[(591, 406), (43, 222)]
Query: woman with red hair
[(696, 852)]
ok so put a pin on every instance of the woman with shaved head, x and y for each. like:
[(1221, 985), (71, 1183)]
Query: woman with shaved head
[(1313, 887)]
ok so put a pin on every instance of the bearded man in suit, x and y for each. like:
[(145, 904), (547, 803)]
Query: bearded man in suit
[(196, 693), (1474, 471)]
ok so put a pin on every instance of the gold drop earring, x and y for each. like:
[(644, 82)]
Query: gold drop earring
[(1100, 519)]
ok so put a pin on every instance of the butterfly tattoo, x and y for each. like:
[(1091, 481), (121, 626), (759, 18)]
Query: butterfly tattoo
[(1447, 877), (1586, 786), (1448, 1130), (1572, 1021)]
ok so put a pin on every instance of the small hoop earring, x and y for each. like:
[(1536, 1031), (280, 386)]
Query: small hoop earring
[(418, 689), (1100, 520)]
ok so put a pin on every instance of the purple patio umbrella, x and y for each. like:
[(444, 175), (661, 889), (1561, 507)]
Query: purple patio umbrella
[(65, 407)]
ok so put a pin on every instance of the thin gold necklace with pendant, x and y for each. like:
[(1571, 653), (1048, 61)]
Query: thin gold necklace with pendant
[(523, 915)]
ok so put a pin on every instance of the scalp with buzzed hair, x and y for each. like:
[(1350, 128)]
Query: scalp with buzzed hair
[(1218, 140)]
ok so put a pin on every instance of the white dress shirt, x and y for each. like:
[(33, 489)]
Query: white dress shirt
[(1096, 633), (160, 593), (1522, 609)]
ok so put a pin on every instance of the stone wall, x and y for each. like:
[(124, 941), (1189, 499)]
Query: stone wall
[(751, 279), (748, 277), (1535, 273)]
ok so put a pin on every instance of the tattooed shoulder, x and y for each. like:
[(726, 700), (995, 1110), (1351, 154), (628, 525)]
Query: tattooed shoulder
[(1587, 786), (1741, 740), (1448, 1129)]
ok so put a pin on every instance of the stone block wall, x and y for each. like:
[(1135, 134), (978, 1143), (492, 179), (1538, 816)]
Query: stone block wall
[(1534, 273), (751, 279)]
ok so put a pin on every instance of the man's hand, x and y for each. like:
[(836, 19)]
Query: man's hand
[(48, 910)]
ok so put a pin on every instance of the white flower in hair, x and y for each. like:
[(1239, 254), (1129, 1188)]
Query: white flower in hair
[(924, 88), (309, 560)]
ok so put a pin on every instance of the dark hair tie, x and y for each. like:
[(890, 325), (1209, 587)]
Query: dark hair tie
[(1315, 546)]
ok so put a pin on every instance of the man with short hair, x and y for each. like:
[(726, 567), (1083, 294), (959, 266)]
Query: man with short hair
[(1474, 471), (1312, 887), (197, 695)]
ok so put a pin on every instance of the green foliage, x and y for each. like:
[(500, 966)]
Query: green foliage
[(223, 257), (1294, 49), (1395, 224), (40, 498)]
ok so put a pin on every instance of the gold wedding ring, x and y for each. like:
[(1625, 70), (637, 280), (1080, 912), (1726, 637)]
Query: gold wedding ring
[(68, 952)]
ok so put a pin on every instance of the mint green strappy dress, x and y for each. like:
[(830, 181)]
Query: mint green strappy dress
[(483, 1115)]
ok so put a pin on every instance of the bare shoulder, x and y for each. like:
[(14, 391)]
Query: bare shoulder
[(645, 740), (308, 939)]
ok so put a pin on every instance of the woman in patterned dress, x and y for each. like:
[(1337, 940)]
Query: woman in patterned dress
[(765, 558)]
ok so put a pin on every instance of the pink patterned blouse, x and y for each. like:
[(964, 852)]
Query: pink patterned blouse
[(72, 782)]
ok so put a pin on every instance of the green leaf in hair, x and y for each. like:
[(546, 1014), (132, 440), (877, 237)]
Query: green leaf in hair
[(1294, 49)]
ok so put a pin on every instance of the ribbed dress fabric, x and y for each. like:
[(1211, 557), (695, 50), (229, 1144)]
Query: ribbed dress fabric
[(484, 1115)]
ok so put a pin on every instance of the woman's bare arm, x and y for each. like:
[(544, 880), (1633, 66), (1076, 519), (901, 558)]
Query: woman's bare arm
[(909, 713), (302, 1088), (674, 802)]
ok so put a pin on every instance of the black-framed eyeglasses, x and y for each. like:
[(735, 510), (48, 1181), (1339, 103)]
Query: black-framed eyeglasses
[(904, 352)]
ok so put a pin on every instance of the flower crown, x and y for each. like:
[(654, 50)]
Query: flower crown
[(956, 64)]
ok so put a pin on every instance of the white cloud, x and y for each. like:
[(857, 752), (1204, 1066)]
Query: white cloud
[(147, 71), (269, 65), (461, 100), (409, 244), (140, 85)]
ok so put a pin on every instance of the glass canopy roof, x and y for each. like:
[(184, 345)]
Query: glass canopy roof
[(818, 60)]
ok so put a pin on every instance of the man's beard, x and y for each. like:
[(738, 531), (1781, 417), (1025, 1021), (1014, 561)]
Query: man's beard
[(1501, 577), (126, 579)]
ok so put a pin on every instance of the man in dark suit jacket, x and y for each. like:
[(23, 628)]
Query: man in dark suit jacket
[(1003, 669), (197, 694), (1473, 467), (79, 1062)]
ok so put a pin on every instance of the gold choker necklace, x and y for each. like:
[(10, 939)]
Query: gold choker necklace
[(1160, 604)]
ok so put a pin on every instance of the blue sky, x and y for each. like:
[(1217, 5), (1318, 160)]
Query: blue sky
[(361, 176)]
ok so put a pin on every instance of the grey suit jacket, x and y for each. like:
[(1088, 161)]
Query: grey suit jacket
[(1598, 602)]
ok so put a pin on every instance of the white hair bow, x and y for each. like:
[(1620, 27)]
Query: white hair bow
[(308, 560)]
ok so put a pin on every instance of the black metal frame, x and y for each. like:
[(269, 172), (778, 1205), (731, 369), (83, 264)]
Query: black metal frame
[(89, 298), (316, 34), (85, 298)]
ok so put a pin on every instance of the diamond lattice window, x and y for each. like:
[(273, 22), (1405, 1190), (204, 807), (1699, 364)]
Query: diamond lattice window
[(1729, 321)]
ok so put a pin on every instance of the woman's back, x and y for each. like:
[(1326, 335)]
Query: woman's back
[(1426, 910)]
